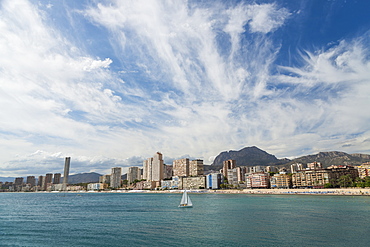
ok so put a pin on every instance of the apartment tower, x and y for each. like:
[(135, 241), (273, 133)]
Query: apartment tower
[(67, 164), (153, 168), (115, 178), (134, 173)]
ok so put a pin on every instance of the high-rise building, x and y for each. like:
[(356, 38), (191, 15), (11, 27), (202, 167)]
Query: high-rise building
[(181, 167), (228, 164), (105, 179), (241, 171), (168, 171), (31, 180), (40, 181), (232, 176), (147, 169), (134, 173), (115, 179), (157, 167), (18, 181), (153, 168), (48, 180), (196, 168), (67, 164), (57, 177)]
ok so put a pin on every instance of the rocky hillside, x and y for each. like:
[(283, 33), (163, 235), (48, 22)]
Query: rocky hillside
[(91, 177), (248, 156), (333, 158)]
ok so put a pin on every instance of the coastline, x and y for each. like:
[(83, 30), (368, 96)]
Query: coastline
[(328, 191)]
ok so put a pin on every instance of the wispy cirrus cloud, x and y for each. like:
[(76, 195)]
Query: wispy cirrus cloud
[(180, 77)]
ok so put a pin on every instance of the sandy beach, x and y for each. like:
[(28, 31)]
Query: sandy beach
[(334, 191)]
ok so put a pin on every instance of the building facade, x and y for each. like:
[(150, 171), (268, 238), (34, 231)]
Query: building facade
[(317, 178), (105, 179), (196, 168), (228, 164), (258, 180), (281, 181), (181, 167), (214, 181), (153, 168), (67, 164), (31, 180), (134, 173), (115, 181), (57, 177), (363, 170), (192, 183)]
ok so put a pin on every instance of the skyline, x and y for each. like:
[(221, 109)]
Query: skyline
[(111, 83)]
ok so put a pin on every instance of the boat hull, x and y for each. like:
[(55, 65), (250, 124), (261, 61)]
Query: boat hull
[(185, 206)]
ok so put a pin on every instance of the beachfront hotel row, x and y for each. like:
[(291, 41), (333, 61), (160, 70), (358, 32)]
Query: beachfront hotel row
[(189, 174)]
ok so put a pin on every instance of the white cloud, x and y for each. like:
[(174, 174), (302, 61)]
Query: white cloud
[(183, 81)]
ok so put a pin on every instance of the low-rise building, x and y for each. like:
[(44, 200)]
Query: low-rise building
[(97, 186), (281, 181), (363, 170), (317, 178), (192, 182), (258, 180)]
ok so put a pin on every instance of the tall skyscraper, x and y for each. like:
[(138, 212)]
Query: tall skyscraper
[(66, 172), (115, 178), (57, 178)]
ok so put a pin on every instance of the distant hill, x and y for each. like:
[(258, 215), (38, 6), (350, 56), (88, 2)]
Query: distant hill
[(248, 156), (91, 177), (333, 158), (7, 179)]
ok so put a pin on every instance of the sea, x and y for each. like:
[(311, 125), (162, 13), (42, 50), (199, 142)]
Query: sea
[(149, 219)]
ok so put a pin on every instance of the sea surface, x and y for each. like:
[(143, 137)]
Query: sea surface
[(143, 219)]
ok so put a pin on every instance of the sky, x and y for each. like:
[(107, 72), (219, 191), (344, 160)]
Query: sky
[(110, 83)]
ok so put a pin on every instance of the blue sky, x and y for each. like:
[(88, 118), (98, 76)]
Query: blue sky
[(110, 83)]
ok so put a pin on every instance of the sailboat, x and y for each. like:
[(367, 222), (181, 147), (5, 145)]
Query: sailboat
[(185, 201)]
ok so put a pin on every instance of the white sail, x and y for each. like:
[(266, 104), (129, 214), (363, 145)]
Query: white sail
[(185, 201), (189, 201)]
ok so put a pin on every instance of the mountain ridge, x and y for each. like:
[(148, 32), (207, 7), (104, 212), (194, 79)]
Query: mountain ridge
[(253, 156)]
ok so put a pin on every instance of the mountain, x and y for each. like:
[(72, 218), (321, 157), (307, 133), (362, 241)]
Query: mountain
[(91, 177), (333, 158), (248, 156)]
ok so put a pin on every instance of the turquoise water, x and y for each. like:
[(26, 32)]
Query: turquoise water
[(100, 219)]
